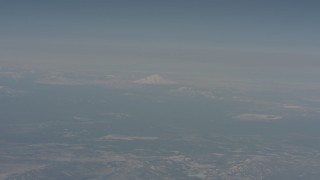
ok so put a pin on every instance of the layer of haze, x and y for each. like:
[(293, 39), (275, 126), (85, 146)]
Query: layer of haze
[(263, 39)]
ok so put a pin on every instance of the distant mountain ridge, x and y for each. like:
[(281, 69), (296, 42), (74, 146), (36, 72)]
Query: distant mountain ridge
[(154, 79)]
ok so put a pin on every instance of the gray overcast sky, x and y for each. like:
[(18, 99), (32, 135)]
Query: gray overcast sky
[(212, 38)]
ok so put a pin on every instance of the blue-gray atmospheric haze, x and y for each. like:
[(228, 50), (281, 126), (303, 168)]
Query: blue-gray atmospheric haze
[(219, 38), (179, 89)]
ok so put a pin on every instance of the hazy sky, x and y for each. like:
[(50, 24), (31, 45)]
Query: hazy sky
[(161, 36)]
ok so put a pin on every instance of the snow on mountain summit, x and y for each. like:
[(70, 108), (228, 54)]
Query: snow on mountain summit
[(154, 79)]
